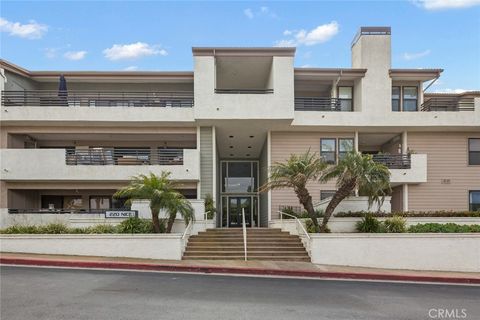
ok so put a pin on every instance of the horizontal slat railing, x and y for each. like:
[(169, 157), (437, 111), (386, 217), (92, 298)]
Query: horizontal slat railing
[(394, 161), (124, 156), (63, 211), (448, 104), (52, 98), (243, 91), (322, 104)]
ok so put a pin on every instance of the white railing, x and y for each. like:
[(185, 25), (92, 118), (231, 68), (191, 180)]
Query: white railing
[(302, 232), (244, 233), (186, 234)]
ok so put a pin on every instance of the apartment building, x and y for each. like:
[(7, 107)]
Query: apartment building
[(218, 128)]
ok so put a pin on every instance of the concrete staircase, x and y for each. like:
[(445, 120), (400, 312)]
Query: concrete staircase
[(262, 244)]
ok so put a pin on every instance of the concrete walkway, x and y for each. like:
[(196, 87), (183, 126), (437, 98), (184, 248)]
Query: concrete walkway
[(268, 268)]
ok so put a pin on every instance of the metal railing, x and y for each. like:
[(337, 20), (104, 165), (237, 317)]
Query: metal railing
[(394, 161), (244, 227), (448, 104), (124, 156), (63, 211), (52, 98), (322, 104), (243, 91)]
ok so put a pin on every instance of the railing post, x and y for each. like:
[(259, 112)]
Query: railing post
[(244, 233)]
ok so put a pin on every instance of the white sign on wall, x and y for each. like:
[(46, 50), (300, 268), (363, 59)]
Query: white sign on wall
[(121, 214)]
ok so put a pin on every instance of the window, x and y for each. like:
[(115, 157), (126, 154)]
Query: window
[(100, 202), (326, 194), (344, 146), (396, 99), (72, 202), (328, 150), (474, 200), (410, 98), (345, 96), (474, 151), (52, 202)]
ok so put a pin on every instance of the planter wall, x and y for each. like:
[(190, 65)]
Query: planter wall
[(442, 252), (164, 246)]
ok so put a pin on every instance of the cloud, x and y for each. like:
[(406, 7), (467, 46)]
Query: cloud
[(320, 34), (260, 12), (416, 55), (130, 68), (30, 30), (445, 4), (132, 51), (50, 53), (448, 90), (75, 55)]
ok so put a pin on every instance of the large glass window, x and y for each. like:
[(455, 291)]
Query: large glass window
[(100, 202), (474, 151), (345, 95), (239, 177), (344, 146), (72, 202), (410, 98), (328, 150), (324, 194), (474, 200), (396, 99)]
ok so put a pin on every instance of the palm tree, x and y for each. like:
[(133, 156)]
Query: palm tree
[(175, 203), (159, 191), (296, 173), (356, 171)]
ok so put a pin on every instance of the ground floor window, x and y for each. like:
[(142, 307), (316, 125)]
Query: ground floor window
[(100, 202), (474, 200), (324, 194)]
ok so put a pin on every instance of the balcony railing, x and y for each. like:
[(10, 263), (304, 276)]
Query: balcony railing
[(52, 98), (124, 156), (63, 211), (243, 91), (394, 161), (448, 104), (322, 104)]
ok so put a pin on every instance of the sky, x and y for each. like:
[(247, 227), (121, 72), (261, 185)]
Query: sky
[(158, 35)]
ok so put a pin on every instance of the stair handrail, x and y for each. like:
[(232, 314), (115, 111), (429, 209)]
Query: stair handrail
[(244, 226), (188, 230), (298, 223)]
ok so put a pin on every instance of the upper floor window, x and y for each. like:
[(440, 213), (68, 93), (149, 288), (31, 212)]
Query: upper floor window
[(345, 145), (410, 98), (396, 99), (328, 150), (474, 151), (325, 194), (345, 95), (474, 200)]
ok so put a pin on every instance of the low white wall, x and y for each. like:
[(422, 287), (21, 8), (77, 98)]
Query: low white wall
[(441, 252), (347, 224), (164, 246), (355, 204)]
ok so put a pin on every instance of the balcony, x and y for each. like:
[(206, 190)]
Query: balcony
[(448, 103), (51, 98), (411, 168), (394, 161), (96, 165), (243, 91), (322, 104)]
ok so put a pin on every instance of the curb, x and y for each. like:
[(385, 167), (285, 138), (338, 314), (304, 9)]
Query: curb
[(236, 271)]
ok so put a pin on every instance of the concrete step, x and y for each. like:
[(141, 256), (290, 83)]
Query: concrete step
[(249, 244), (249, 240), (240, 252), (240, 248), (241, 257)]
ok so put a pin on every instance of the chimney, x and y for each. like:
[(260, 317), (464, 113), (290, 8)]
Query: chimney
[(371, 50)]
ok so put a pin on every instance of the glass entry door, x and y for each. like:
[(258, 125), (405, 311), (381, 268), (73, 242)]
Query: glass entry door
[(235, 206)]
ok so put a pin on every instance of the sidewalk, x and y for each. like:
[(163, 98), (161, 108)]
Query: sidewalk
[(235, 267)]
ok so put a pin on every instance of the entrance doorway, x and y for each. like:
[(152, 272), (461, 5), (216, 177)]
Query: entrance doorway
[(235, 207)]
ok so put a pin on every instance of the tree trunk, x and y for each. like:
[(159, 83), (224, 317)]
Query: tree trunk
[(155, 220), (171, 220), (306, 200), (343, 192)]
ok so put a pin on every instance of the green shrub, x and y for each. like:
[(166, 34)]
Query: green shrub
[(443, 228), (407, 214), (300, 215), (101, 228), (311, 228), (137, 225), (369, 224), (210, 209), (53, 228), (78, 230), (20, 229), (395, 224)]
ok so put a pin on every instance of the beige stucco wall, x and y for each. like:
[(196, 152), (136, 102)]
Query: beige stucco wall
[(284, 144), (447, 155)]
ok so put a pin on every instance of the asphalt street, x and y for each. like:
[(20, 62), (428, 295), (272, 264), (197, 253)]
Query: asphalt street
[(51, 294)]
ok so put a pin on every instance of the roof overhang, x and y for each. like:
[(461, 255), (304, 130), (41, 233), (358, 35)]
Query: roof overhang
[(415, 74), (244, 52), (328, 73)]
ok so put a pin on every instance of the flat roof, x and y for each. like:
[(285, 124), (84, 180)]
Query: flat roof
[(244, 52), (415, 74), (328, 73)]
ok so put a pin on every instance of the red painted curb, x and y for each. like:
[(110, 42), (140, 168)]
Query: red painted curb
[(232, 270)]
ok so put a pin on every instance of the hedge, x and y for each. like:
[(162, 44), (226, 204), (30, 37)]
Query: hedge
[(470, 214)]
